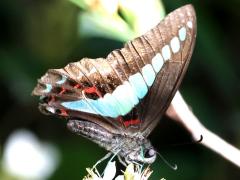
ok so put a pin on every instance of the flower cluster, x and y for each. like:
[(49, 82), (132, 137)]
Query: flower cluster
[(132, 172)]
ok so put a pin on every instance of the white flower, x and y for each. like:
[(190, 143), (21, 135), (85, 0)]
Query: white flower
[(110, 171), (132, 172), (25, 157)]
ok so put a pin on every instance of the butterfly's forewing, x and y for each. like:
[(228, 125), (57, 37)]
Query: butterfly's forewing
[(179, 26), (129, 90)]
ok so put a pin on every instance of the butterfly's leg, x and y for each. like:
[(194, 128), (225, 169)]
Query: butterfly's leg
[(139, 165), (121, 161), (102, 159)]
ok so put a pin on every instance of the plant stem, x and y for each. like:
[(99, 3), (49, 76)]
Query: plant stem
[(180, 112)]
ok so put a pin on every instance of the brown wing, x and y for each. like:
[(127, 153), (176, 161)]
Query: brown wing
[(129, 90)]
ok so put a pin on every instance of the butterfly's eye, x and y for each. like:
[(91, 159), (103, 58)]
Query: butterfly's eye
[(149, 153)]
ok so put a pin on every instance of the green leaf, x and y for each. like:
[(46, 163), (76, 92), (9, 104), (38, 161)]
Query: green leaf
[(94, 24), (80, 3)]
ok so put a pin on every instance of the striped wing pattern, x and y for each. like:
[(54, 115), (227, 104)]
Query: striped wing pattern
[(129, 90)]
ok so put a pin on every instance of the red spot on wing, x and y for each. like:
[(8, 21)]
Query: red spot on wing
[(131, 122), (62, 91), (92, 90), (63, 112), (120, 119), (77, 86)]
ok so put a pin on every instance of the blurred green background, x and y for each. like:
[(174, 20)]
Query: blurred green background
[(42, 34)]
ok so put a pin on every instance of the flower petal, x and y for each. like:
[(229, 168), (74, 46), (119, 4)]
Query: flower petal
[(110, 171)]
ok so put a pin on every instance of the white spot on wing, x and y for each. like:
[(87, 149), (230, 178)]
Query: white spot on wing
[(157, 62), (50, 109), (189, 24), (121, 93), (175, 44), (131, 93), (166, 52), (182, 33), (148, 74)]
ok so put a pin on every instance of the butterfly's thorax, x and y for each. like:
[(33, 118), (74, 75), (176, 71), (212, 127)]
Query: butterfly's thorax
[(134, 148), (129, 143)]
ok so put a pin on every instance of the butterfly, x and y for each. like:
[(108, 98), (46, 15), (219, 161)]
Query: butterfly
[(117, 101)]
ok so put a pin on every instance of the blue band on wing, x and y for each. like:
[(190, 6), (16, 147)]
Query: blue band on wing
[(123, 98)]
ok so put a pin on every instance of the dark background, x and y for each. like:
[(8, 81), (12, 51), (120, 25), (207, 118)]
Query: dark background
[(42, 34)]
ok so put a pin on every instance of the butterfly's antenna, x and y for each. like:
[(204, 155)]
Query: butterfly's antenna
[(200, 140), (174, 167), (189, 143)]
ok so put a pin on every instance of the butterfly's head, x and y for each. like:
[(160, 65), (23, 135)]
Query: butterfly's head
[(145, 154)]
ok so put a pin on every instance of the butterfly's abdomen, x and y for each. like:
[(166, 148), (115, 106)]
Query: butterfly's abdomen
[(94, 132)]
